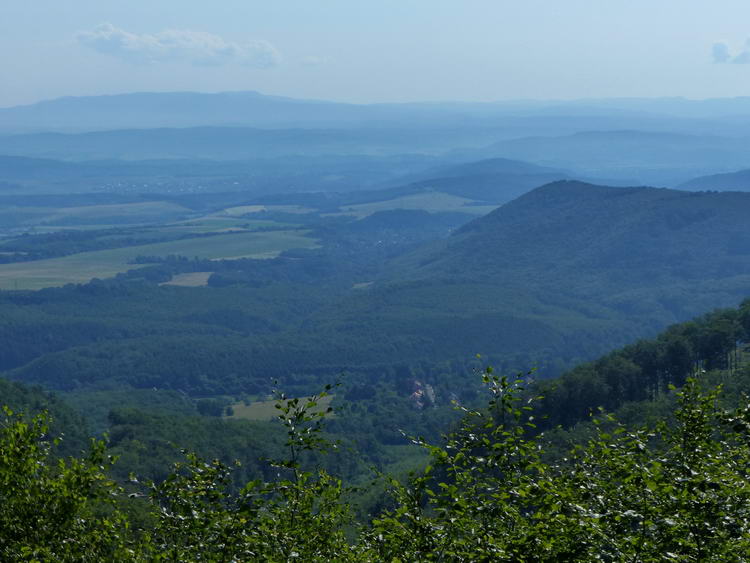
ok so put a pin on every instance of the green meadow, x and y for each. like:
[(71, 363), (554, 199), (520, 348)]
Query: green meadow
[(266, 410)]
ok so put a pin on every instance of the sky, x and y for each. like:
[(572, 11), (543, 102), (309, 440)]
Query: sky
[(366, 51)]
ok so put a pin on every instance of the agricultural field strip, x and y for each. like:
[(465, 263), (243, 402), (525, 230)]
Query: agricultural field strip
[(433, 202), (79, 268), (140, 211)]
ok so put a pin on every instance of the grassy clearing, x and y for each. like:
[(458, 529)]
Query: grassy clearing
[(432, 202), (82, 267), (266, 410), (191, 279)]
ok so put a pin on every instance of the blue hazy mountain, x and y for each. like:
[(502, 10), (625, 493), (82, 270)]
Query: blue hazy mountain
[(642, 157), (495, 180), (734, 181), (253, 109), (238, 143)]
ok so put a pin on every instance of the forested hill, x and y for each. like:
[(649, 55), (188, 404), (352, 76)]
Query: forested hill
[(643, 371), (621, 236), (28, 399), (581, 267)]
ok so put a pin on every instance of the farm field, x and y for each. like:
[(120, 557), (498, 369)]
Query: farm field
[(433, 202), (52, 218), (266, 410), (215, 224), (82, 267)]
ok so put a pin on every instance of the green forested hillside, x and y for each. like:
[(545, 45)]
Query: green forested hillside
[(619, 234), (587, 264), (66, 421), (671, 478)]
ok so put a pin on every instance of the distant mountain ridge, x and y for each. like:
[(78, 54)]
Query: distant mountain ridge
[(738, 181), (637, 155), (253, 109), (236, 109), (236, 143), (169, 109)]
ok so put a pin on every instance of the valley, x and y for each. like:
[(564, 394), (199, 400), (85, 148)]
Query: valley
[(196, 285)]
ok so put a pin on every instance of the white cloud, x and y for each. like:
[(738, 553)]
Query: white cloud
[(196, 47), (722, 54)]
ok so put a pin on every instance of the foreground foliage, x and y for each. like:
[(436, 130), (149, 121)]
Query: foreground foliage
[(678, 490)]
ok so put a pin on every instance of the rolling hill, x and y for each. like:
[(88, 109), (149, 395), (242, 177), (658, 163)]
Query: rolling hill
[(494, 180), (573, 227), (586, 263), (735, 181), (638, 156)]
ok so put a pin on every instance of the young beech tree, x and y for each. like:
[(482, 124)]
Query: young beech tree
[(55, 510), (677, 491)]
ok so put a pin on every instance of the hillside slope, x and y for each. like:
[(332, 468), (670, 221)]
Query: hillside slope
[(589, 264), (633, 236)]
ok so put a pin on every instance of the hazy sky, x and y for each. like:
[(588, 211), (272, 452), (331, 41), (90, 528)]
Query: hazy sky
[(376, 50)]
